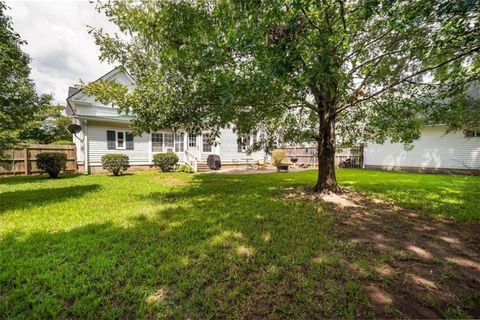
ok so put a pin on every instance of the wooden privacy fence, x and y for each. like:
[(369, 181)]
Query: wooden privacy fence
[(24, 161), (346, 158)]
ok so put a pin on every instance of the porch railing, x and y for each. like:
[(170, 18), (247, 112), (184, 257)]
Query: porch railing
[(192, 160)]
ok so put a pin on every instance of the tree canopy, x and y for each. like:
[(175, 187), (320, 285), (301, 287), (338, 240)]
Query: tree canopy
[(24, 115), (364, 69)]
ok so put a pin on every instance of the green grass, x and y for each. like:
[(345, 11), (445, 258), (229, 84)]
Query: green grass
[(198, 246), (454, 196)]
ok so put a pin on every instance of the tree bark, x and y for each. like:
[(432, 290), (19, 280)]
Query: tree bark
[(327, 180)]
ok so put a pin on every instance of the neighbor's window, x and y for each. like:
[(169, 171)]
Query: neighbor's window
[(179, 142), (207, 147), (157, 142), (192, 140), (168, 140), (472, 133)]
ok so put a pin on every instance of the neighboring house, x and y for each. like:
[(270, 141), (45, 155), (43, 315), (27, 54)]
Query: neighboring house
[(434, 151), (104, 130)]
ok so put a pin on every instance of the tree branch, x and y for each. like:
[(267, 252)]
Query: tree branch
[(405, 79)]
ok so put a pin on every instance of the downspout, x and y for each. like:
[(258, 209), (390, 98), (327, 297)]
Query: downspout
[(85, 150)]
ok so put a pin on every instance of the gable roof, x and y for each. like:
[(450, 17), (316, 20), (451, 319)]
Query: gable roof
[(116, 70), (73, 91)]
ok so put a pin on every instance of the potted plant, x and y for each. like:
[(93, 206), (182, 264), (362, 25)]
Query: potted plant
[(277, 160)]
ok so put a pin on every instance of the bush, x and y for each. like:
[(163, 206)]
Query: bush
[(52, 163), (185, 168), (277, 157), (165, 161), (116, 163), (63, 142)]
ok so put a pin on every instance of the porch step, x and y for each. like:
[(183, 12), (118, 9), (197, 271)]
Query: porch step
[(203, 167)]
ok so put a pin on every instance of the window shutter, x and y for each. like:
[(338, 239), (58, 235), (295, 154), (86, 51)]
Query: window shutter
[(129, 139), (110, 139), (239, 144)]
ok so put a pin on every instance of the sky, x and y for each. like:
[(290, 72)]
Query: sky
[(59, 45)]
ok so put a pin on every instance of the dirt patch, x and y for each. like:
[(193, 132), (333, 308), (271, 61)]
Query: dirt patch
[(418, 266)]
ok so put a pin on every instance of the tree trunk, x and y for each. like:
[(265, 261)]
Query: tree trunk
[(327, 180)]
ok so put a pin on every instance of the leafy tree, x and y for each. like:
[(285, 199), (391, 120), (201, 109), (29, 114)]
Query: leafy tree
[(48, 125), (366, 69), (20, 106)]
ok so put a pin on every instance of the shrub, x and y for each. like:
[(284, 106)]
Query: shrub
[(165, 161), (52, 162), (277, 157), (63, 142), (116, 163), (185, 168)]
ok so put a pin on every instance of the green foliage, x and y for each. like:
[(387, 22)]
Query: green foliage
[(19, 103), (63, 142), (165, 161), (52, 163), (116, 163), (156, 244), (371, 70), (185, 168), (48, 124), (278, 156)]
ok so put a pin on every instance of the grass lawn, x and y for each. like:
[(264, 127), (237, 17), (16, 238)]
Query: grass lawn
[(202, 246)]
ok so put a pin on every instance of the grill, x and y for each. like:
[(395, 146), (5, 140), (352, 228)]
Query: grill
[(214, 162)]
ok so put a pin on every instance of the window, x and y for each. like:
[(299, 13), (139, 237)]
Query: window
[(111, 139), (129, 140), (119, 140), (192, 140), (472, 133), (157, 142), (179, 141), (168, 140), (243, 142), (207, 147)]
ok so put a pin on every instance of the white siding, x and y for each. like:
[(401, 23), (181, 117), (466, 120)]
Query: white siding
[(97, 144), (228, 148), (99, 111), (434, 149), (78, 140)]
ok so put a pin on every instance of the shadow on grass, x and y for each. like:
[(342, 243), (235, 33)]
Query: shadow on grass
[(14, 180), (23, 199), (219, 247), (212, 252), (454, 196)]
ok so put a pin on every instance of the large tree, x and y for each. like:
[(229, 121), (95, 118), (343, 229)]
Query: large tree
[(376, 69), (20, 105)]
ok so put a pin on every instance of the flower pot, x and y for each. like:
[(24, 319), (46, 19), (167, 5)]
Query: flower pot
[(282, 168)]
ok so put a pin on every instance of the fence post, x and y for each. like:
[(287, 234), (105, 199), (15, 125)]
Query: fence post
[(25, 160)]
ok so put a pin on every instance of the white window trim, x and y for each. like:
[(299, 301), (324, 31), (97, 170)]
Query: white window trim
[(250, 142), (194, 140), (182, 141), (476, 133), (124, 140), (163, 142), (203, 145), (164, 147)]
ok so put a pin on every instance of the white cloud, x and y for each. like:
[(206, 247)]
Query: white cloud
[(61, 49)]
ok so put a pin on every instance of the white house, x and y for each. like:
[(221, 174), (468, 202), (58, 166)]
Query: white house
[(104, 130), (434, 151)]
